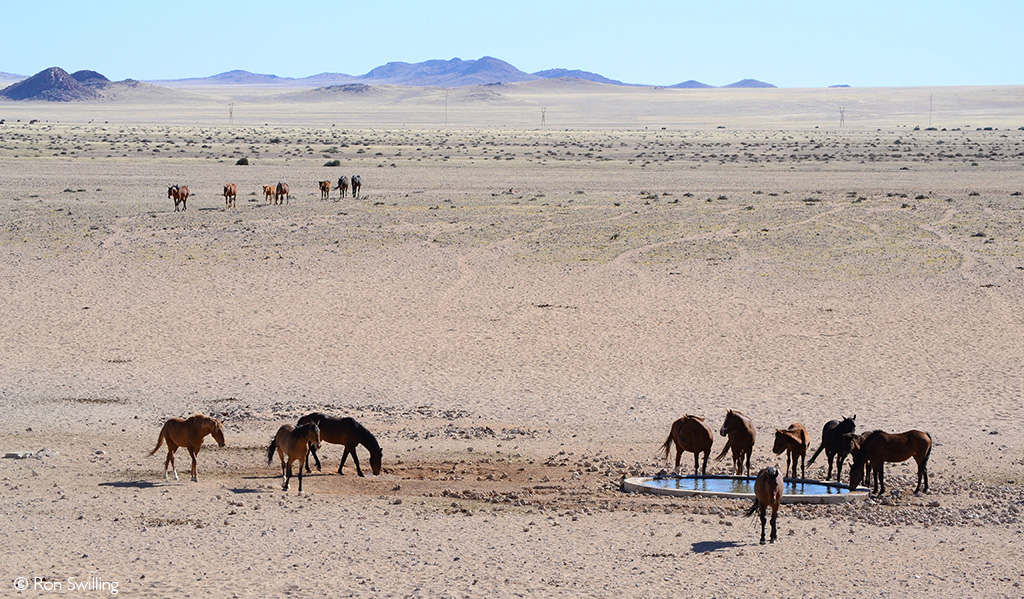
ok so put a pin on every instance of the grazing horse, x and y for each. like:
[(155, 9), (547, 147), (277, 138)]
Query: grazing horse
[(180, 195), (794, 441), (188, 433), (292, 444), (230, 193), (281, 191), (347, 432), (740, 431), (357, 182), (880, 447), (767, 492), (343, 185), (268, 193), (325, 189), (836, 440), (689, 433)]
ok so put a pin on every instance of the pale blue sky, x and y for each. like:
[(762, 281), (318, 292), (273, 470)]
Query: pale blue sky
[(790, 44)]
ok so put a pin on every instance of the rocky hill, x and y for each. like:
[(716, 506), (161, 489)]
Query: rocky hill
[(53, 84)]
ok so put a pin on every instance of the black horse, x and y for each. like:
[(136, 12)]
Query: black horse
[(357, 182), (347, 432), (837, 440)]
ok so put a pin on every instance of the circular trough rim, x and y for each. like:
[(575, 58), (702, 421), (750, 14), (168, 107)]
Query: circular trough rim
[(636, 485)]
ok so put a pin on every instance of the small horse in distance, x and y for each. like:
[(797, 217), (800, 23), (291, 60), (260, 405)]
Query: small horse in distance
[(347, 432), (268, 194), (689, 433), (880, 447), (767, 492), (325, 189), (292, 444), (343, 185), (837, 441), (794, 441), (230, 193), (180, 195), (741, 433), (282, 192), (357, 182), (188, 433)]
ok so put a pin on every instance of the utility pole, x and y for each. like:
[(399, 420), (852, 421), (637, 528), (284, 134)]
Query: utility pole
[(231, 112), (543, 116), (842, 116)]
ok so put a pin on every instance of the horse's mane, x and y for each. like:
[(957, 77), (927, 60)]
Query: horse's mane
[(695, 417), (369, 441)]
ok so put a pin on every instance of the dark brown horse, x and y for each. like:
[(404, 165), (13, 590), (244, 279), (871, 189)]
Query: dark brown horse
[(268, 193), (180, 195), (794, 441), (740, 431), (188, 433), (343, 185), (836, 440), (357, 182), (347, 432), (767, 492), (230, 193), (325, 189), (282, 192), (880, 447), (689, 433), (292, 444)]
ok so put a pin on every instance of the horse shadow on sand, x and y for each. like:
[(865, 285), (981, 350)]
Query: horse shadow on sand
[(713, 546)]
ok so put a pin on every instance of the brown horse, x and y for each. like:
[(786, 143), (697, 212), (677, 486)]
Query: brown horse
[(188, 433), (292, 444), (180, 195), (767, 492), (281, 192), (343, 185), (740, 431), (268, 193), (347, 432), (880, 447), (230, 193), (325, 189), (794, 441), (357, 182), (689, 433), (836, 440)]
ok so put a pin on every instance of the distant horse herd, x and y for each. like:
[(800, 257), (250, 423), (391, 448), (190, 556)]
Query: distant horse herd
[(870, 450), (272, 194)]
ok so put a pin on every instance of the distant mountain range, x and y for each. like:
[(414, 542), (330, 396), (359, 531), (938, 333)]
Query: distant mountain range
[(55, 84)]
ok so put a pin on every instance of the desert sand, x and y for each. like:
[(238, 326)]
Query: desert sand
[(518, 313)]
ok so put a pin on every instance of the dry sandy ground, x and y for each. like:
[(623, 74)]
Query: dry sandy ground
[(519, 316)]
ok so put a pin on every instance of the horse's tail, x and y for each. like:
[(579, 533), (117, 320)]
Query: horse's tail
[(725, 450), (271, 450), (753, 509), (931, 444), (816, 453), (667, 446), (160, 439)]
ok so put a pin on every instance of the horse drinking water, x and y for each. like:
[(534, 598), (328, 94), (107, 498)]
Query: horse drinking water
[(689, 433), (347, 432), (188, 433), (292, 444), (881, 447), (794, 441), (837, 441)]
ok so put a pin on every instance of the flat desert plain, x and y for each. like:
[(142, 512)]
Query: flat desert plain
[(518, 313)]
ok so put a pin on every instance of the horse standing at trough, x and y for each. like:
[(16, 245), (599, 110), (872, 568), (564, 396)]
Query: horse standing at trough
[(741, 433), (837, 439), (343, 185), (794, 441), (767, 492), (230, 193), (689, 433), (347, 432), (292, 444), (180, 195), (880, 447), (188, 433)]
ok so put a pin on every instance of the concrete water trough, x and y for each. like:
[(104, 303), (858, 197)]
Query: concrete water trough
[(797, 490)]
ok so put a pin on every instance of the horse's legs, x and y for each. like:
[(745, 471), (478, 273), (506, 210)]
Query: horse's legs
[(192, 453), (762, 513), (679, 457), (171, 448), (344, 456), (803, 466), (312, 451), (922, 474), (355, 459), (704, 469), (880, 477), (840, 458), (830, 456), (288, 474), (696, 463), (300, 475), (749, 453), (775, 517)]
